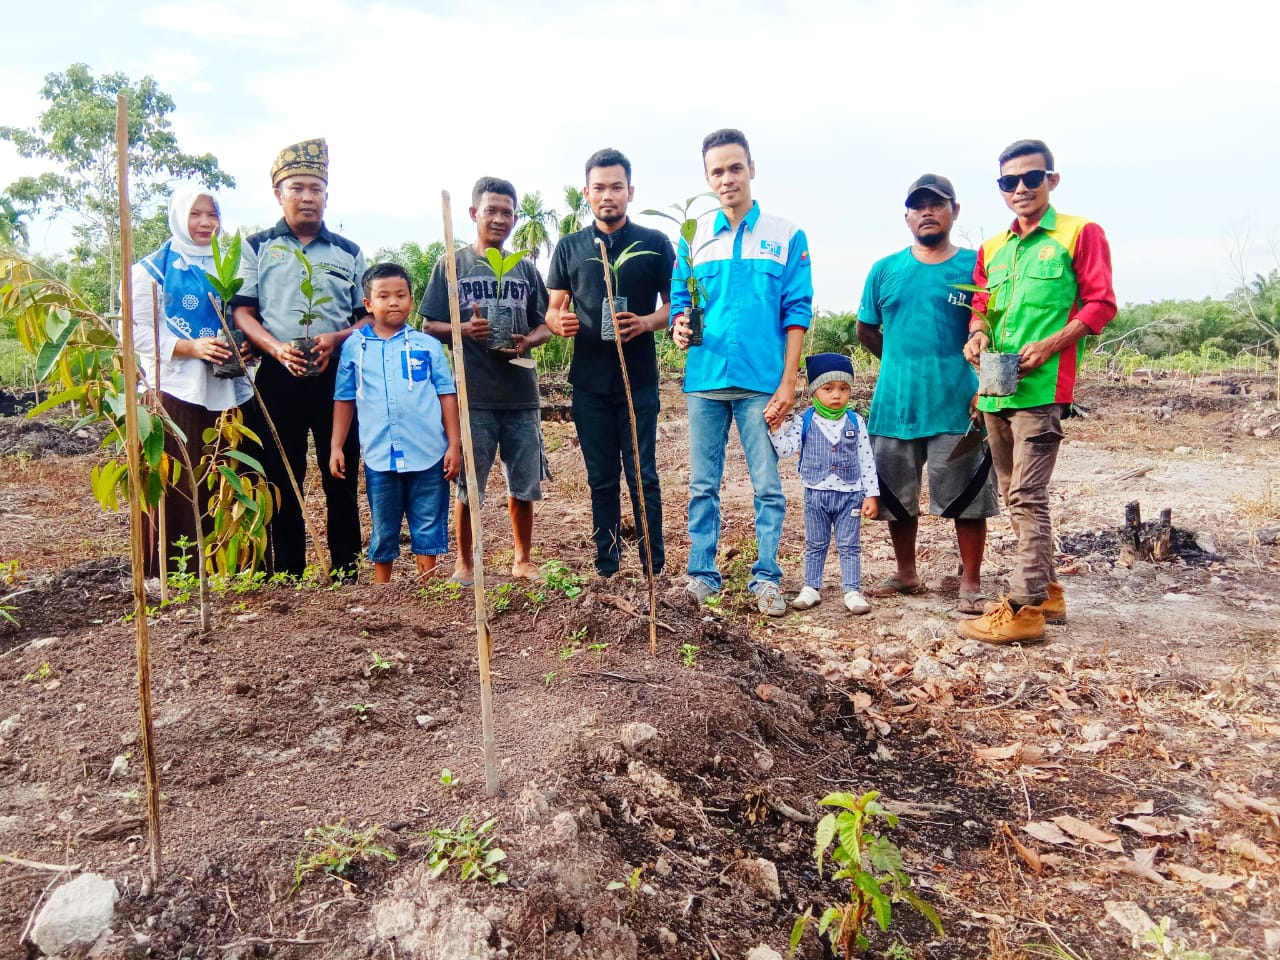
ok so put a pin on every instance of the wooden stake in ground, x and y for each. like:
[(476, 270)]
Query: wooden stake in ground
[(635, 452), (484, 642), (133, 449)]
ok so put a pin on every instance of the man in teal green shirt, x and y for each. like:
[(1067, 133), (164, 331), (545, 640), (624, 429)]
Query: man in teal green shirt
[(915, 320)]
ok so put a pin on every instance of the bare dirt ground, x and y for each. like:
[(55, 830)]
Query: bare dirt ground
[(1065, 794)]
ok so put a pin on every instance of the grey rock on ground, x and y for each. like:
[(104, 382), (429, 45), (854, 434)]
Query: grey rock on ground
[(77, 913)]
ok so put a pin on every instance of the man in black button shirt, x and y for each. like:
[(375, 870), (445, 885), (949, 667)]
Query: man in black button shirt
[(576, 289)]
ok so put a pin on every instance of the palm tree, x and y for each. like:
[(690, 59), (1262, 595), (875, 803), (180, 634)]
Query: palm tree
[(13, 231), (534, 224), (577, 211)]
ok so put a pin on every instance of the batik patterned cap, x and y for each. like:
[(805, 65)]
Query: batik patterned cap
[(310, 158)]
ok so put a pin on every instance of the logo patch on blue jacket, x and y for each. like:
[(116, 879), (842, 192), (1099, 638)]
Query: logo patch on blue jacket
[(771, 247)]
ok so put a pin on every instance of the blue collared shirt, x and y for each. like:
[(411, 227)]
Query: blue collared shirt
[(396, 384), (758, 283)]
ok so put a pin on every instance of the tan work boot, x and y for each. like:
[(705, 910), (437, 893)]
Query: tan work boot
[(1002, 625), (1054, 607)]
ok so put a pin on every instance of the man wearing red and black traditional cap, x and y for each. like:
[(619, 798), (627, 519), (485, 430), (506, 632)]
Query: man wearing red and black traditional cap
[(299, 394)]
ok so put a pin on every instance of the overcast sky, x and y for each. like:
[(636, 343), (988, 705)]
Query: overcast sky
[(1161, 116)]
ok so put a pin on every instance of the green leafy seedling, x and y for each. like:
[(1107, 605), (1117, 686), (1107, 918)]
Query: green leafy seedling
[(335, 849), (872, 865), (556, 575), (362, 711), (380, 666), (688, 654), (502, 265), (470, 849), (447, 779)]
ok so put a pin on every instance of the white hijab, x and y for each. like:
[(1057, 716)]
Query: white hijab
[(180, 204)]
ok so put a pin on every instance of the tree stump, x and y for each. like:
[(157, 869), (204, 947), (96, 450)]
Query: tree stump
[(1145, 541)]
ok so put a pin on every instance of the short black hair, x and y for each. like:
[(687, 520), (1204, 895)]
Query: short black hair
[(723, 138), (608, 157), (1026, 148), (493, 185), (381, 271)]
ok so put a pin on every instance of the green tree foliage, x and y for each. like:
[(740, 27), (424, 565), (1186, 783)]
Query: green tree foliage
[(77, 133), (13, 228), (1170, 327), (576, 211), (418, 260), (534, 225)]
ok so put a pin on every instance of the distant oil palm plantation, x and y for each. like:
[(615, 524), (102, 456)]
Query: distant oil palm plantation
[(534, 226), (576, 214)]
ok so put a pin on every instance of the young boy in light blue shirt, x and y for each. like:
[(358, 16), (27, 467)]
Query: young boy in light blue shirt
[(396, 383)]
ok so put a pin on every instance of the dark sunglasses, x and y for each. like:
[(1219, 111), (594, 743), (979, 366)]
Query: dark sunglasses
[(1032, 178)]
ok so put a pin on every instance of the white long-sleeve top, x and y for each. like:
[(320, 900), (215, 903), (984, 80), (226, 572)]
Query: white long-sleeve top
[(187, 378)]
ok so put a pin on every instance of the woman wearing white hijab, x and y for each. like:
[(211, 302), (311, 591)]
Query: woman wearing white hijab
[(184, 335)]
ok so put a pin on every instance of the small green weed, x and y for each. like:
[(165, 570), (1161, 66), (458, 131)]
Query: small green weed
[(339, 850), (872, 892), (362, 711), (500, 597), (447, 779), (557, 576), (688, 654), (441, 592), (471, 850), (40, 674), (1163, 946), (549, 679), (380, 667)]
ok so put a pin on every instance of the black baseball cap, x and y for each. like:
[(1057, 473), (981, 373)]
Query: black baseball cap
[(934, 184)]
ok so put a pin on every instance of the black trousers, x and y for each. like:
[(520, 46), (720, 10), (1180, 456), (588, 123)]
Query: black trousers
[(302, 407)]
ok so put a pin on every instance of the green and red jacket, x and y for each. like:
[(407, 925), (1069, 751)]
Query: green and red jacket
[(1059, 272)]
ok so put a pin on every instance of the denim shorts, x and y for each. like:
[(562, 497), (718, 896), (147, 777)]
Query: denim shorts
[(420, 495), (516, 437)]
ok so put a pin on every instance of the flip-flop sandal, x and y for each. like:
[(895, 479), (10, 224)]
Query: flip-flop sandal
[(972, 603), (892, 587)]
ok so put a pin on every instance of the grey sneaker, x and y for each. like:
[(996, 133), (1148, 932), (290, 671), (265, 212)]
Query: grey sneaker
[(699, 589), (769, 600)]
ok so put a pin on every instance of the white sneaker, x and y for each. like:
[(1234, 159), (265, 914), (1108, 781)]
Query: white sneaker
[(856, 602), (806, 598)]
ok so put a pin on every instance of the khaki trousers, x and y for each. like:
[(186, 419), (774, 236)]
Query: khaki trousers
[(1024, 450)]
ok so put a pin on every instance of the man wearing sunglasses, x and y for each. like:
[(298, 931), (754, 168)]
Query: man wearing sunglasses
[(1047, 283)]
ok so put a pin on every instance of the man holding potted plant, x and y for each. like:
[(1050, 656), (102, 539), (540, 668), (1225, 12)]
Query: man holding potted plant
[(1046, 285), (754, 268), (915, 320), (502, 381), (297, 390), (642, 259)]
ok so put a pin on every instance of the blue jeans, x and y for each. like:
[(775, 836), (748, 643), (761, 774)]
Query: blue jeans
[(420, 495), (604, 432), (708, 435)]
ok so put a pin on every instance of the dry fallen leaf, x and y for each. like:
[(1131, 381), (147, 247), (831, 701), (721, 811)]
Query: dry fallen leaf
[(1142, 865), (1155, 826), (1089, 833), (1092, 746), (1131, 917), (1061, 699), (1007, 752), (1210, 881), (1246, 849), (1047, 832), (1026, 853)]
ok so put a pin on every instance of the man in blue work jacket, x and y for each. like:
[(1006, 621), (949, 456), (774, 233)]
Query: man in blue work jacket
[(751, 273)]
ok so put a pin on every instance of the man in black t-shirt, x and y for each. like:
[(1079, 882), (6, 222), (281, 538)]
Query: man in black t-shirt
[(577, 293), (502, 396)]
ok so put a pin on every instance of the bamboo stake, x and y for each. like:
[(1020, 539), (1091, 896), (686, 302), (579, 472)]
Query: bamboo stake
[(162, 526), (134, 453), (635, 452), (484, 641)]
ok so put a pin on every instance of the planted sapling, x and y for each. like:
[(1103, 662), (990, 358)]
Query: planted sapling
[(610, 308), (500, 316), (872, 865), (687, 221), (309, 314), (470, 849), (336, 849)]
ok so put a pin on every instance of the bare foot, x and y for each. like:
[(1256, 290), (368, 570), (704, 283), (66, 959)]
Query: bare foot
[(463, 575), (525, 570)]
